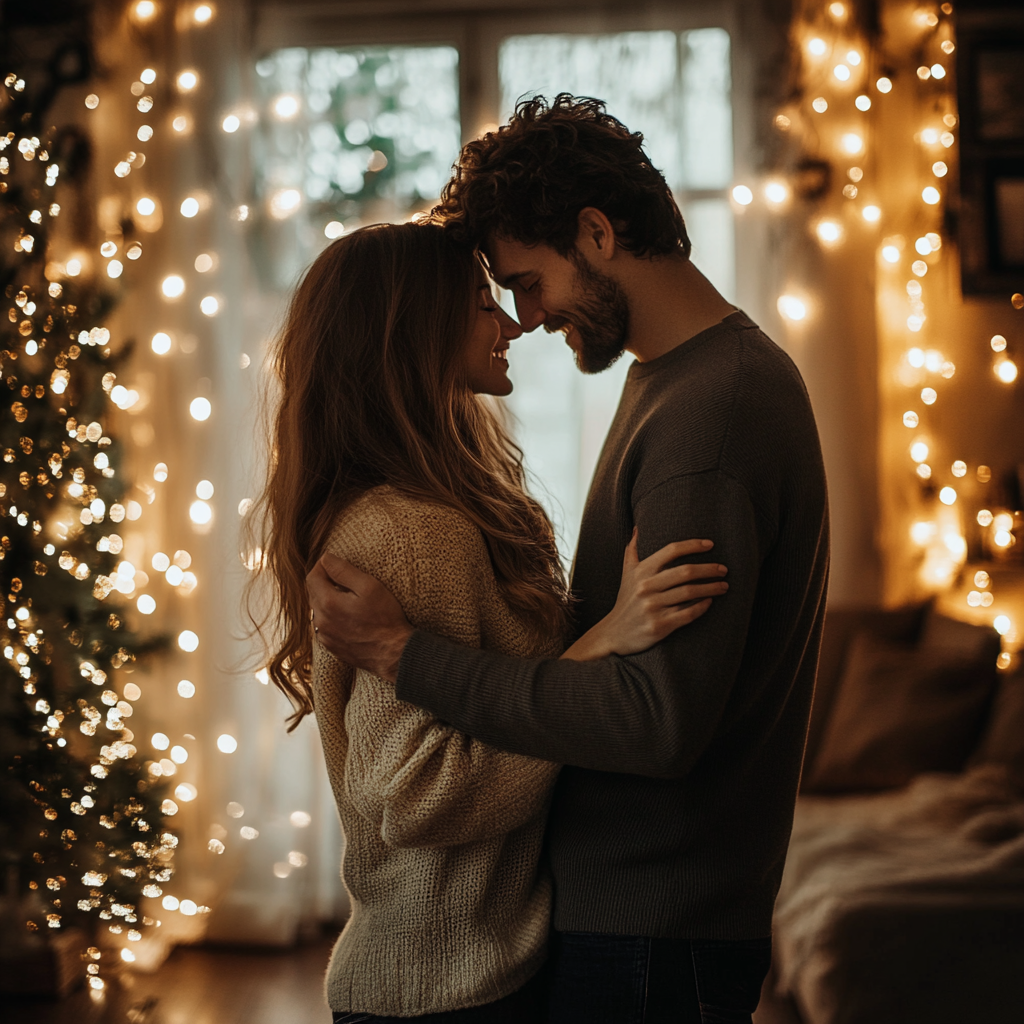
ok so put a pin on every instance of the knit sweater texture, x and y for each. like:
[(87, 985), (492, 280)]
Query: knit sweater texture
[(674, 816), (443, 833)]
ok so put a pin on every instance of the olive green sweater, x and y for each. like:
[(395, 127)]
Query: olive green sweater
[(443, 833), (674, 818)]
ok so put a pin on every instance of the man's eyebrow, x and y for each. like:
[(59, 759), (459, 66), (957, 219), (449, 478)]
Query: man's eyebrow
[(506, 282)]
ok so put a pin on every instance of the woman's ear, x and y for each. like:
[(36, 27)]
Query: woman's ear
[(596, 236)]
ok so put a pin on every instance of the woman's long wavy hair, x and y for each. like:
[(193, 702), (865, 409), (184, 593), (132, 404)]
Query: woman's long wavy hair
[(372, 390)]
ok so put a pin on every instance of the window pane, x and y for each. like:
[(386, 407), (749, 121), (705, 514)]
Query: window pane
[(675, 88), (353, 135)]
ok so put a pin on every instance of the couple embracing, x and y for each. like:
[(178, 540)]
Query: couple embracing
[(561, 801)]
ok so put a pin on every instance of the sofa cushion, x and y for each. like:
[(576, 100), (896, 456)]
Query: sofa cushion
[(963, 640), (1003, 739), (900, 710)]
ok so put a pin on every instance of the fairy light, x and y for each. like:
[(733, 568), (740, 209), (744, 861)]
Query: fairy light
[(791, 308), (742, 195)]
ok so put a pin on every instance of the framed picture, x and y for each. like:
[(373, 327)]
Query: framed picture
[(990, 42)]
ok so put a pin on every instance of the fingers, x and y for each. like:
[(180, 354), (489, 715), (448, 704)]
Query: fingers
[(680, 574), (684, 616), (677, 549), (341, 573), (630, 558), (690, 592)]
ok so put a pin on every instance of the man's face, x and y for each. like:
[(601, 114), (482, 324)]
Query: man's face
[(567, 295)]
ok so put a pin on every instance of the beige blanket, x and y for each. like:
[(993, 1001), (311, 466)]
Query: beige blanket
[(906, 907)]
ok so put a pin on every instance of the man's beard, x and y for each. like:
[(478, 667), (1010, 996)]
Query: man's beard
[(601, 318)]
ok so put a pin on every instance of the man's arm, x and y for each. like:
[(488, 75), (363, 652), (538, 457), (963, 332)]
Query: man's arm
[(651, 713)]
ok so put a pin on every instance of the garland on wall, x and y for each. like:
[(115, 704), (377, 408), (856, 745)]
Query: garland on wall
[(837, 119)]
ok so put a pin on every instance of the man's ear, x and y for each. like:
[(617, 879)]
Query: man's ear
[(596, 236)]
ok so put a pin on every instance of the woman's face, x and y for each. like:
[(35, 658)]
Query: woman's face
[(486, 351)]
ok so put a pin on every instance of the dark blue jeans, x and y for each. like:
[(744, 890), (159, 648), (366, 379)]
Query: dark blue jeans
[(625, 979)]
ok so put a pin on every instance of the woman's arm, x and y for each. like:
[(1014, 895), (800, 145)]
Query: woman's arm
[(653, 601), (422, 781)]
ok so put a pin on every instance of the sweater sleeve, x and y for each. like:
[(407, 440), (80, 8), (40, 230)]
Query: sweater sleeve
[(651, 713), (425, 783)]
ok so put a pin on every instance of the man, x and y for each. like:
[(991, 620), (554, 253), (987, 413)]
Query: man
[(671, 819)]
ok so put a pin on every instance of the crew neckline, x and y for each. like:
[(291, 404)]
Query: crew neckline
[(736, 319)]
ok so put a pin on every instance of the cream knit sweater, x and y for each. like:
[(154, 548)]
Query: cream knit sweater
[(443, 833)]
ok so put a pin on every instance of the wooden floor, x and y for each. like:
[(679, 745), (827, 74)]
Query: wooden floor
[(211, 985), (205, 985)]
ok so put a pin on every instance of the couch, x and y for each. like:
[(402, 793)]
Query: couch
[(903, 895)]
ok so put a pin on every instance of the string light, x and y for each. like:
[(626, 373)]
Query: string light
[(742, 195)]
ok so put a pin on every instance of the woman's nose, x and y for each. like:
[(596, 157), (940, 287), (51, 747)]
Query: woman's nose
[(510, 330)]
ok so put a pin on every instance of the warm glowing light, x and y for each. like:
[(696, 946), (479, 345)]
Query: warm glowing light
[(147, 76), (1002, 538), (862, 102), (829, 231), (919, 451), (300, 819), (160, 561), (180, 123), (145, 9), (852, 143), (819, 104), (1002, 624), (179, 755), (263, 676), (187, 81), (928, 396), (842, 72), (924, 471), (146, 604), (115, 268), (890, 254), (959, 468), (791, 308), (939, 169), (186, 792), (924, 73), (776, 192), (204, 490), (161, 343), (1003, 521), (189, 206), (210, 305), (837, 10), (742, 195), (930, 136), (916, 358), (200, 408), (186, 689), (982, 579), (173, 286), (286, 106), (73, 268), (202, 14), (922, 532), (231, 124), (985, 517), (160, 741), (998, 343), (169, 903), (938, 71), (334, 229), (1006, 371), (188, 641), (817, 47), (947, 496), (227, 743), (872, 214), (910, 419), (284, 202), (931, 195), (200, 513), (127, 955), (883, 85), (919, 267), (145, 206)]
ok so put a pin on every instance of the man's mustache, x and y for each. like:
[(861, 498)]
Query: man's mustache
[(554, 324)]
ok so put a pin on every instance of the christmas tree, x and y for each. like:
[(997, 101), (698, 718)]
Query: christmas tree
[(83, 832)]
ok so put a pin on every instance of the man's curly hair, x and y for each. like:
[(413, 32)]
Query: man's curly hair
[(529, 180)]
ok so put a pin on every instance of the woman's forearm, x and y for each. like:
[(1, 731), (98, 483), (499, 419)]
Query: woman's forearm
[(591, 646)]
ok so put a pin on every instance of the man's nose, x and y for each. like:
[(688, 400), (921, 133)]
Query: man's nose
[(509, 329), (530, 312)]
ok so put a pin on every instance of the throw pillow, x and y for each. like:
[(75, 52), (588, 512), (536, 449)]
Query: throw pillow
[(900, 711), (1003, 739)]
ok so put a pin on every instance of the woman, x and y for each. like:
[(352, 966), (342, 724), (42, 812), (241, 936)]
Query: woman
[(384, 454)]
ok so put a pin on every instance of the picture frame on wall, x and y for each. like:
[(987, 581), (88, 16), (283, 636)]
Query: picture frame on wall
[(991, 99)]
